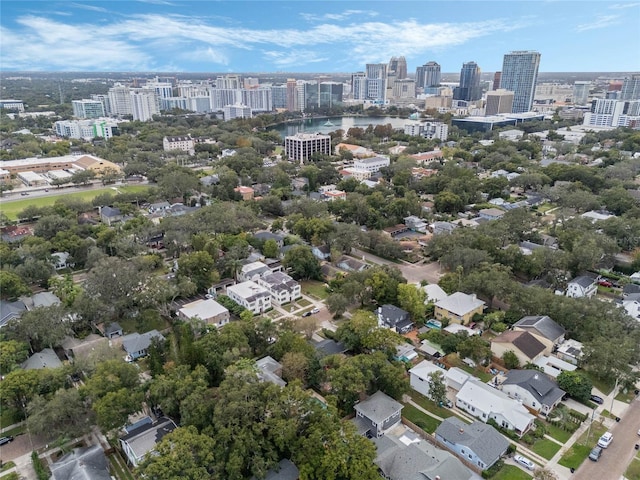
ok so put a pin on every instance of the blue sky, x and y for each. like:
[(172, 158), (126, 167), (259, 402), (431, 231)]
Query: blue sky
[(310, 36)]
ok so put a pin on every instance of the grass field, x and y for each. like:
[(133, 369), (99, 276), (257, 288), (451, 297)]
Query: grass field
[(421, 419), (557, 433), (11, 209), (580, 450), (430, 405), (314, 289), (633, 470), (546, 448), (511, 472)]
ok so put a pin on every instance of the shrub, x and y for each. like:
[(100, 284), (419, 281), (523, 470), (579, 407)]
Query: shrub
[(41, 471), (495, 468), (511, 449)]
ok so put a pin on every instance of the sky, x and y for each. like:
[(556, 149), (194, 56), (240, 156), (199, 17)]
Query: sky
[(310, 36)]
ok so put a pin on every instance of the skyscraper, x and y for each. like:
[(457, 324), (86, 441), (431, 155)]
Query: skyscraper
[(359, 86), (581, 92), (120, 100), (398, 67), (469, 89), (499, 101), (376, 82), (519, 74), (631, 88), (292, 94), (496, 80), (144, 104), (87, 108), (428, 75)]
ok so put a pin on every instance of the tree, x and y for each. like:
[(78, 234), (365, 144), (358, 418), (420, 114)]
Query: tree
[(295, 366), (544, 474), (184, 453), (412, 298), (19, 388), (41, 327), (337, 304), (448, 202), (12, 354), (65, 415), (476, 348), (575, 384), (510, 359), (111, 376), (302, 263), (270, 249), (437, 388), (200, 268), (11, 285), (113, 409)]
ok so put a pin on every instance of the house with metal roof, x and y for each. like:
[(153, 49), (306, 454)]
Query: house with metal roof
[(377, 414), (11, 311), (478, 443), (534, 389), (486, 402), (458, 308), (543, 328)]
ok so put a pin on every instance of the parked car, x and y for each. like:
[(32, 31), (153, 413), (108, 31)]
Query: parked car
[(597, 399), (605, 440), (315, 310), (306, 314), (605, 283), (525, 462), (5, 440), (24, 194), (595, 454)]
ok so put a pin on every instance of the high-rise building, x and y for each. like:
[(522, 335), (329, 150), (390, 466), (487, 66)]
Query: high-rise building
[(519, 75), (292, 94), (376, 82), (499, 101), (496, 80), (88, 108), (428, 76), (359, 86), (613, 113), (144, 104), (224, 96), (162, 89), (258, 99), (469, 89), (229, 81), (120, 100), (398, 67), (199, 104), (580, 92), (104, 99), (300, 147), (251, 82), (330, 94), (279, 96), (405, 88), (631, 88)]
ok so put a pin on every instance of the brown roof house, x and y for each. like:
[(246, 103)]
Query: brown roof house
[(526, 347)]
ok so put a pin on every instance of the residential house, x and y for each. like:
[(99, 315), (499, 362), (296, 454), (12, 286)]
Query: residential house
[(136, 344), (269, 370), (582, 286), (408, 457), (416, 224), (328, 346), (525, 346), (419, 377), (439, 228), (245, 192), (61, 260), (141, 440), (454, 328), (209, 311), (110, 215), (15, 233), (265, 235), (491, 213), (322, 252), (11, 311), (110, 330), (252, 271), (46, 358), (282, 288), (405, 353), (377, 414), (82, 463), (349, 264), (209, 180), (478, 443), (553, 366), (534, 389), (434, 293), (41, 299), (455, 378), (159, 206), (251, 296), (430, 349), (570, 351), (332, 195), (544, 329), (394, 318), (356, 150), (485, 402), (632, 307), (630, 289), (396, 230), (458, 308)]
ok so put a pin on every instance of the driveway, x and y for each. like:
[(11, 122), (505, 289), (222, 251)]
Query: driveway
[(21, 445), (616, 458)]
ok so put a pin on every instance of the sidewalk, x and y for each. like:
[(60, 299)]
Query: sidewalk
[(11, 427)]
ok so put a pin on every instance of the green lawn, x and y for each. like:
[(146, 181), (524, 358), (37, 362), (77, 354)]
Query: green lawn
[(625, 397), (146, 321), (6, 466), (580, 450), (455, 361), (14, 432), (314, 289), (633, 470), (511, 472), (605, 386), (546, 448), (12, 208), (430, 405), (557, 433), (11, 476), (419, 418), (9, 416)]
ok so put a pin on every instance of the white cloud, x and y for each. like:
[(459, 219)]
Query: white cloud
[(313, 17), (145, 41), (601, 21), (84, 6), (619, 6)]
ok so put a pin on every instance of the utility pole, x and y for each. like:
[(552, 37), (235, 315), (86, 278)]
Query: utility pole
[(613, 396)]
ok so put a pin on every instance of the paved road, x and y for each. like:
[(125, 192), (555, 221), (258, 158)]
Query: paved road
[(21, 445), (616, 458)]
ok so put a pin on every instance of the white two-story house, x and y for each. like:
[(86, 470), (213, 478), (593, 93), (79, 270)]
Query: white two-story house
[(251, 296)]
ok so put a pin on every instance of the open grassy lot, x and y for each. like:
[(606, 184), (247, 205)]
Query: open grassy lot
[(511, 472), (421, 419), (546, 448), (430, 405), (557, 433), (314, 289), (12, 208), (604, 386)]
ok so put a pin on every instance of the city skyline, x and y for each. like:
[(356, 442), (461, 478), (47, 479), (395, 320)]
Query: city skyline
[(305, 37)]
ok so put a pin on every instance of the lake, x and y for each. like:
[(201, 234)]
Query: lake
[(318, 125)]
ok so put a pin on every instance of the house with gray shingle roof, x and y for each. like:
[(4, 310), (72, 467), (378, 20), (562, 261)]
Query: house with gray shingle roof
[(141, 441), (543, 328), (533, 389), (46, 358), (478, 443), (377, 414), (10, 311), (136, 344), (87, 463), (526, 347), (582, 286)]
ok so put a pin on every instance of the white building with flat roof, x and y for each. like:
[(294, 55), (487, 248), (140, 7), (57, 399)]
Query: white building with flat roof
[(371, 164), (251, 296), (236, 111), (32, 179), (208, 311), (301, 147)]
